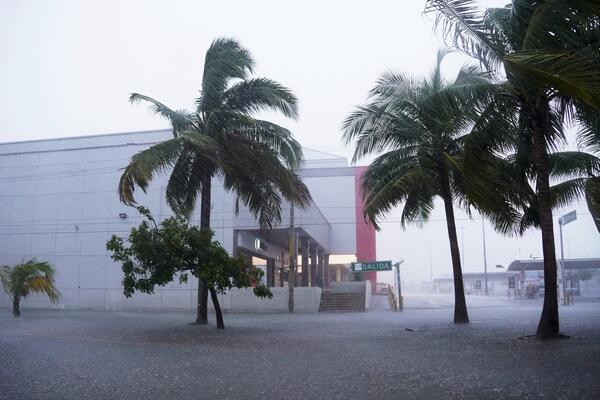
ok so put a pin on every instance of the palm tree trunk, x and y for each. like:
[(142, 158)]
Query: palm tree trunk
[(16, 306), (461, 315), (203, 289), (549, 321), (218, 312), (205, 205)]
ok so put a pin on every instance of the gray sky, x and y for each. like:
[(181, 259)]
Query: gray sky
[(68, 66)]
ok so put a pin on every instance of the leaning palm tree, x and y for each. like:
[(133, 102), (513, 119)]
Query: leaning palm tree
[(30, 277), (422, 127), (548, 51), (221, 138)]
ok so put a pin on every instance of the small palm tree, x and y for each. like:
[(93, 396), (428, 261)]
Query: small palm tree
[(423, 126), (30, 277), (255, 158)]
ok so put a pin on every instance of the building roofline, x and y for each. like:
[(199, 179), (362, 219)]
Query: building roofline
[(97, 135), (142, 132)]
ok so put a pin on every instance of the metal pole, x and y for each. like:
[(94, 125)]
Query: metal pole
[(292, 250), (484, 257), (561, 287)]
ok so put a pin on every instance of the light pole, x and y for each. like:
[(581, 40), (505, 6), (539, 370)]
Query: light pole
[(484, 257), (293, 259), (399, 286), (564, 220)]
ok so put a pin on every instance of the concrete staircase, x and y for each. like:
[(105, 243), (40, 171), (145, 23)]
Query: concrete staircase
[(342, 302)]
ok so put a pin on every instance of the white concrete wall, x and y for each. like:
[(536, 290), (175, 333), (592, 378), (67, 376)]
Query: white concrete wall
[(58, 203), (348, 287), (335, 198), (306, 300)]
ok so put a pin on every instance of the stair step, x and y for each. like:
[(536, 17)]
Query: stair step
[(343, 302)]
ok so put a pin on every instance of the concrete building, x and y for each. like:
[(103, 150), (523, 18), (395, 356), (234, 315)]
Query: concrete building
[(474, 283), (580, 274), (59, 203)]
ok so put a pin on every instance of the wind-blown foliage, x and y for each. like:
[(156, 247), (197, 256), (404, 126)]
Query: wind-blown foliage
[(421, 127), (222, 138), (155, 254), (26, 278), (550, 55)]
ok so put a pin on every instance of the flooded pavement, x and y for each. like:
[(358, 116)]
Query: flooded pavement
[(416, 354)]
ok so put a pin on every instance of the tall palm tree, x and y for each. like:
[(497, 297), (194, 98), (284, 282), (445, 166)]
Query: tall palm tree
[(422, 126), (255, 158), (548, 52), (30, 277)]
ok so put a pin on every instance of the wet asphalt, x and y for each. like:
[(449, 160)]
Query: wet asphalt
[(416, 354)]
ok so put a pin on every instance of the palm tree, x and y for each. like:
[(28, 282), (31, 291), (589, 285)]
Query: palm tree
[(30, 277), (255, 158), (548, 51), (422, 126)]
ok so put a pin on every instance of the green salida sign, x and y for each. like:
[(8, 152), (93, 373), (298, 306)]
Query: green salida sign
[(372, 266)]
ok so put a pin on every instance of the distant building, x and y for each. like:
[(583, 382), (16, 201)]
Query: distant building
[(525, 278), (59, 203), (474, 283), (576, 272)]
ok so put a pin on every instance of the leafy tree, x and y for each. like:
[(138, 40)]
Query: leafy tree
[(421, 126), (30, 277), (155, 254), (255, 158), (548, 51)]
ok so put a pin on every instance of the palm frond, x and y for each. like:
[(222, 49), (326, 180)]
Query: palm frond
[(180, 119), (390, 180), (277, 138), (185, 181), (41, 284), (575, 74), (588, 122), (572, 164), (565, 193), (261, 191), (258, 94), (5, 273), (376, 129), (463, 25), (568, 20), (143, 165), (592, 197), (225, 60)]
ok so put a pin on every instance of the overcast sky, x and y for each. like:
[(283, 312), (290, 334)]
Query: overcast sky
[(68, 66)]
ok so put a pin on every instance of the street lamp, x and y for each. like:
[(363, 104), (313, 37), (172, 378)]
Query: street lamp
[(484, 257), (564, 220), (398, 286)]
